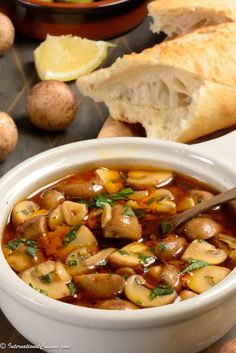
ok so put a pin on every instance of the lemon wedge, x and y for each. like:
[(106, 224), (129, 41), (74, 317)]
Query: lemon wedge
[(65, 58)]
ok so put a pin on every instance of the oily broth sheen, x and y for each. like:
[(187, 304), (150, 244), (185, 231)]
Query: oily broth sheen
[(179, 187)]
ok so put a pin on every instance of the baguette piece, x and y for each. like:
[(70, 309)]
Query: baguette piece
[(178, 90), (178, 17)]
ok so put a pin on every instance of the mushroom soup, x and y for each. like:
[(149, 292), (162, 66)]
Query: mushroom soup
[(99, 239)]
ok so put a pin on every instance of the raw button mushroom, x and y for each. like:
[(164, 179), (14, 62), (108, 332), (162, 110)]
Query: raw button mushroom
[(122, 225), (204, 278), (7, 33), (8, 132), (100, 285), (139, 294), (141, 179), (202, 250), (51, 105), (201, 228)]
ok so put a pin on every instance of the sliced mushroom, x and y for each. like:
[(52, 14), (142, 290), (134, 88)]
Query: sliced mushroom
[(204, 278), (170, 248), (122, 225), (51, 199), (23, 210), (187, 294), (125, 272), (160, 200), (132, 255), (78, 263), (141, 179), (83, 189), (170, 275), (139, 294), (34, 227), (229, 242), (201, 228), (200, 195), (46, 283), (19, 261), (202, 250), (61, 272), (116, 304), (185, 203), (100, 285), (106, 215), (138, 195), (154, 274), (56, 218), (74, 212), (84, 238)]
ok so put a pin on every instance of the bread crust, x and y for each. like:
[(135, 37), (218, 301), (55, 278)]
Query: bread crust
[(204, 60)]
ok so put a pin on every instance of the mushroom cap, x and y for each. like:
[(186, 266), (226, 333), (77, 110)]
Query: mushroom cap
[(8, 134)]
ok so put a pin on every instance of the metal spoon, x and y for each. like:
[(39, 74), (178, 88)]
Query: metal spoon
[(174, 222)]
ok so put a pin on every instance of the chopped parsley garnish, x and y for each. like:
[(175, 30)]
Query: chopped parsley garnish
[(100, 201), (200, 241), (161, 290), (194, 265), (164, 227), (46, 279), (31, 251), (140, 212), (13, 244), (122, 194), (145, 259), (72, 287), (25, 212), (139, 302), (128, 211), (162, 246), (29, 242), (151, 200), (125, 276), (39, 289), (199, 199), (72, 263), (71, 235), (123, 252)]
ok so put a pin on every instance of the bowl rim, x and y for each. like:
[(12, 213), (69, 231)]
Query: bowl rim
[(74, 6), (109, 319)]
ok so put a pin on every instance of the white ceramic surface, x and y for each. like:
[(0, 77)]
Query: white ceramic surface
[(178, 328)]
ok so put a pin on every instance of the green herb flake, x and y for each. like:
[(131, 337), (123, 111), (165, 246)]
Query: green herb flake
[(71, 235), (161, 290), (46, 279), (139, 302), (164, 227), (200, 241), (162, 246), (73, 288), (25, 212), (13, 244), (151, 200), (199, 199), (28, 242), (125, 276), (31, 251), (145, 259), (72, 263), (194, 265), (122, 194), (140, 213), (100, 201), (123, 252), (128, 211), (41, 291)]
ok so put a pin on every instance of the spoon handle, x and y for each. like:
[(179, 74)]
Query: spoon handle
[(217, 200)]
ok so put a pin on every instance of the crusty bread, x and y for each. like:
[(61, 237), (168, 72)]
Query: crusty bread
[(178, 17), (178, 90)]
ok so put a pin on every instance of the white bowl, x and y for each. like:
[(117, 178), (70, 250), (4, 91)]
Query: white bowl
[(183, 327)]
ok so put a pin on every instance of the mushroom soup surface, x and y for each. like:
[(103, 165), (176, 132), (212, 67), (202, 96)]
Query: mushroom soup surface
[(98, 238)]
